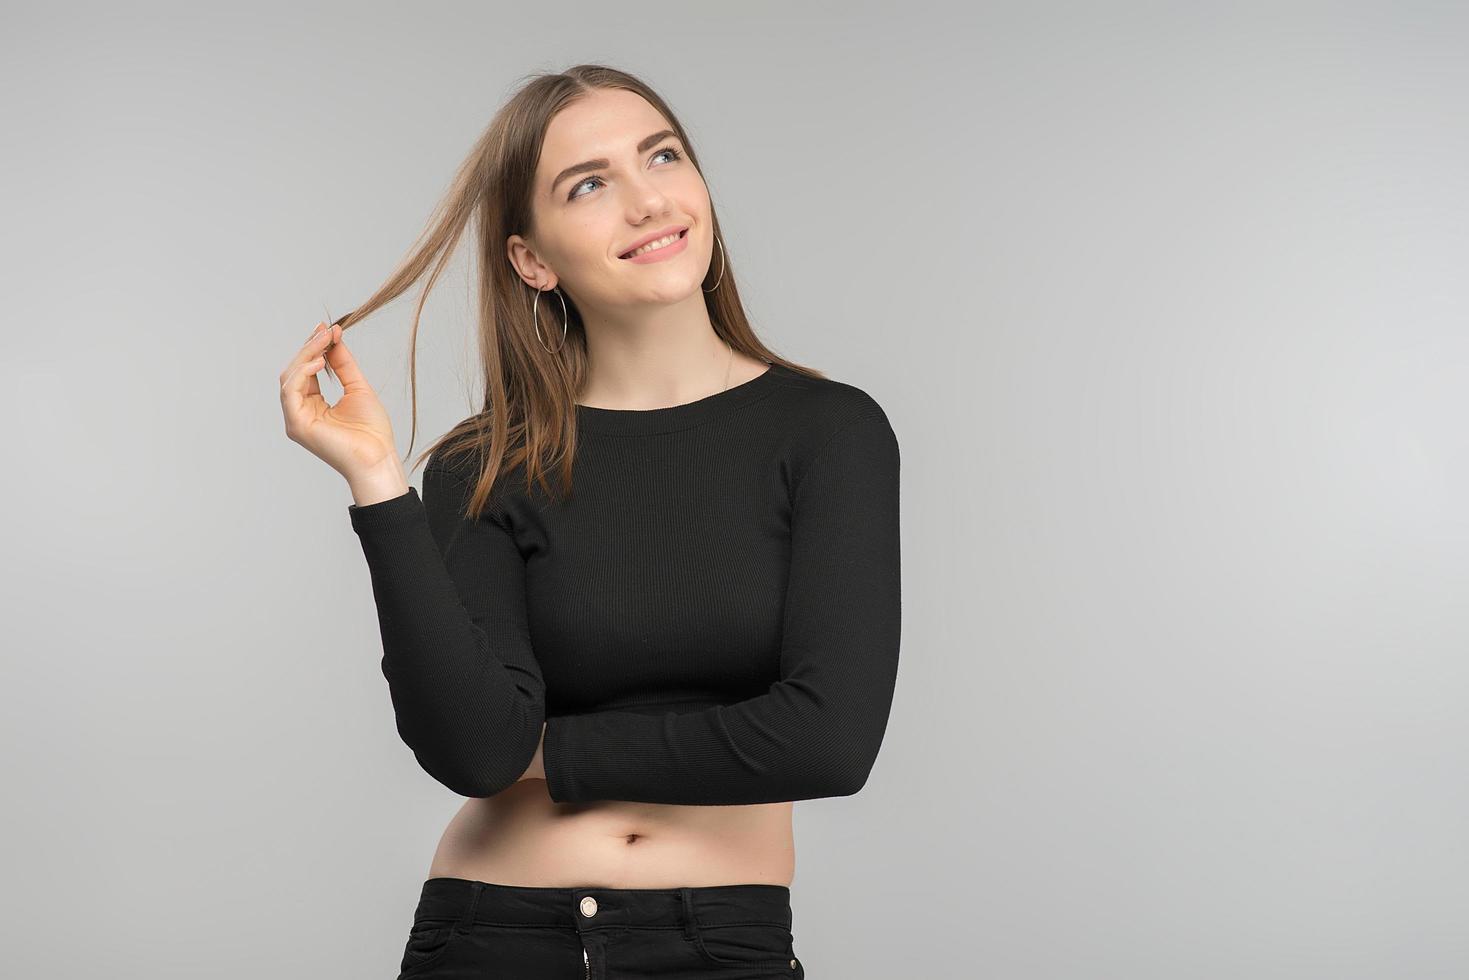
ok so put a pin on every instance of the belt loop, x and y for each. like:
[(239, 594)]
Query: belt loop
[(467, 919), (689, 928)]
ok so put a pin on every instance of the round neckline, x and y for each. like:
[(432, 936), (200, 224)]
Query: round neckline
[(643, 421)]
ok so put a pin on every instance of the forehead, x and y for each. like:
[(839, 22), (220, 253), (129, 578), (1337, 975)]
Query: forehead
[(606, 123)]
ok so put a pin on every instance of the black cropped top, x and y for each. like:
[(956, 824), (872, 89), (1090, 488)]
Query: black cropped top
[(711, 618)]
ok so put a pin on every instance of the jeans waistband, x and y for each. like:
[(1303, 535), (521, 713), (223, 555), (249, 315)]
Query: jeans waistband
[(591, 907)]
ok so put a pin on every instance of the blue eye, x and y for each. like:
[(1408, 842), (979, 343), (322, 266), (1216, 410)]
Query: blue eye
[(672, 153)]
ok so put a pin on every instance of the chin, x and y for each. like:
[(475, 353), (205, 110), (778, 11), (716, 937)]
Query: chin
[(673, 293)]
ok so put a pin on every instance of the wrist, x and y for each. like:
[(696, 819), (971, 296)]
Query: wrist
[(382, 482)]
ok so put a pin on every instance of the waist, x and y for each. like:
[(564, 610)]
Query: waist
[(522, 837)]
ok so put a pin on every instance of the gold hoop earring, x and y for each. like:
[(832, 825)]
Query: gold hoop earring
[(536, 319), (721, 266)]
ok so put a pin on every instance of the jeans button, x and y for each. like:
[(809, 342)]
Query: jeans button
[(793, 964), (589, 906)]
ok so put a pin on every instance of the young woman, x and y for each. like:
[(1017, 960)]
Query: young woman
[(633, 669)]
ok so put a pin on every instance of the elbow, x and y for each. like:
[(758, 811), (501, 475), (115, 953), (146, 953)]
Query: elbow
[(474, 785), (847, 746), (821, 784), (847, 781), (835, 773), (471, 778), (472, 761)]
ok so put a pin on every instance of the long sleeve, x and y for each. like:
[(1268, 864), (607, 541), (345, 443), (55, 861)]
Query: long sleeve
[(817, 731), (466, 689)]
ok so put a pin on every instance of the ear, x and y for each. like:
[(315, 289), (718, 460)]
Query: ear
[(523, 259)]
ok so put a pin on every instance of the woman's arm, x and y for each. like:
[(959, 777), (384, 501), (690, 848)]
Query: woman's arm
[(818, 730), (466, 689)]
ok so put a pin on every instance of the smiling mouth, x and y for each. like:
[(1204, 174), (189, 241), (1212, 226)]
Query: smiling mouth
[(628, 255)]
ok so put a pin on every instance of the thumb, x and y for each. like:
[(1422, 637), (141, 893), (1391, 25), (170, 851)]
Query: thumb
[(342, 363)]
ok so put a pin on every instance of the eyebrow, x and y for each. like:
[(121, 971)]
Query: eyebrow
[(602, 163)]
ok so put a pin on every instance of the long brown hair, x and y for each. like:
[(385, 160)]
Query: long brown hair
[(529, 411)]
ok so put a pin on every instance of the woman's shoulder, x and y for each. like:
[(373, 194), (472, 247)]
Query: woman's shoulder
[(839, 421), (457, 457), (822, 406), (459, 461)]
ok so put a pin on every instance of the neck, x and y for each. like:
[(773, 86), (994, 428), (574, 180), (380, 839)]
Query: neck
[(668, 355)]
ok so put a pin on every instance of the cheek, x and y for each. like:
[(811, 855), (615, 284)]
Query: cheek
[(586, 239), (694, 195)]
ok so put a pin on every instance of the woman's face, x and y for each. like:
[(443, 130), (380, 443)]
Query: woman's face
[(586, 218)]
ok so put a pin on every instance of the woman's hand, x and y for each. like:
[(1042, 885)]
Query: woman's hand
[(354, 436), (537, 767)]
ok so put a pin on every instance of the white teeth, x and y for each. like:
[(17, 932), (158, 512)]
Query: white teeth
[(668, 240)]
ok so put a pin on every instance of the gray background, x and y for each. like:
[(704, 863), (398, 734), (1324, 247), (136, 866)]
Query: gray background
[(1167, 304)]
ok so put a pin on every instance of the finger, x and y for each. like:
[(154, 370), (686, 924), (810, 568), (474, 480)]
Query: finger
[(313, 382), (342, 363), (300, 386), (316, 332), (312, 347), (309, 350)]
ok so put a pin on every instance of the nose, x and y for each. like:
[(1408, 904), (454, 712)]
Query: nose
[(646, 199)]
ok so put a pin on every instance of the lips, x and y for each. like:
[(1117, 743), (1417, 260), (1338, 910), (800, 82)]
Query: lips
[(682, 230)]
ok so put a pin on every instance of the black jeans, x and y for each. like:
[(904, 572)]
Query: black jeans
[(463, 928)]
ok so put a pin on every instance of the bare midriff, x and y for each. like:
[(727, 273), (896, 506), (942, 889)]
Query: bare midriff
[(522, 837)]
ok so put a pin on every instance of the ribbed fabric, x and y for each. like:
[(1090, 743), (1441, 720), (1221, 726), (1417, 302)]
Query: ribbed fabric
[(712, 618)]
